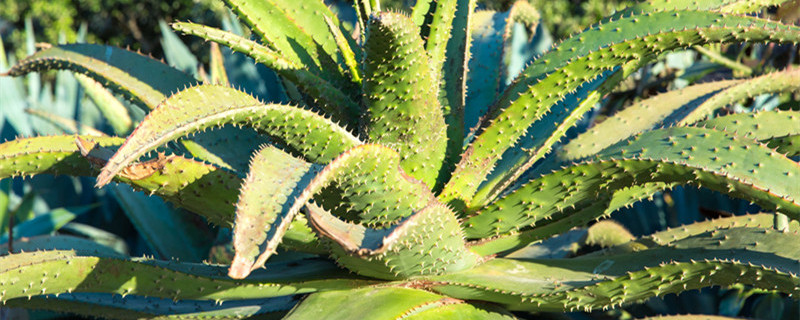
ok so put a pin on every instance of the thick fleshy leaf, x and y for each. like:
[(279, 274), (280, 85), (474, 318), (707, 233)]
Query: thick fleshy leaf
[(684, 106), (137, 307), (112, 109), (208, 106), (763, 126), (145, 80), (275, 179), (428, 242), (673, 155), (297, 31), (453, 90), (401, 89), (64, 272), (370, 184), (61, 242), (45, 223), (758, 257), (491, 36), (636, 40), (327, 97), (389, 303)]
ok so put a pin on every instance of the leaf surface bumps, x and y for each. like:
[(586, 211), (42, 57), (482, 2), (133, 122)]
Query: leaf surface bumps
[(708, 158), (275, 179), (65, 272), (401, 90), (373, 187), (313, 136), (635, 40)]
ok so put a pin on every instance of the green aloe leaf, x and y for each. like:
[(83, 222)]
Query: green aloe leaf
[(125, 72), (297, 31), (752, 256), (112, 109), (46, 222), (137, 307), (636, 40), (202, 188), (65, 272), (328, 97), (275, 179), (672, 155), (762, 126), (683, 106), (407, 249), (313, 136), (390, 303), (401, 90), (182, 181), (375, 202), (176, 52), (453, 90), (63, 242), (491, 37)]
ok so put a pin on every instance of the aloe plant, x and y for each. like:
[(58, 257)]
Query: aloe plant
[(386, 205)]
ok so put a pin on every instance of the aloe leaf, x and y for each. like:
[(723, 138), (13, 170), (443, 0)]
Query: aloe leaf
[(762, 126), (46, 222), (275, 179), (725, 6), (217, 66), (314, 137), (374, 202), (182, 181), (641, 116), (790, 146), (363, 11), (120, 70), (198, 187), (607, 233), (328, 97), (175, 51), (112, 109), (582, 213), (454, 86), (297, 31), (168, 232), (390, 303), (349, 189), (752, 256), (62, 242), (21, 275), (407, 249), (401, 90), (346, 45), (138, 307), (668, 237), (491, 36), (684, 106), (673, 155), (636, 40)]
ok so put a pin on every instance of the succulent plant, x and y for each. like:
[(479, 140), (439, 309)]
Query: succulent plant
[(386, 205)]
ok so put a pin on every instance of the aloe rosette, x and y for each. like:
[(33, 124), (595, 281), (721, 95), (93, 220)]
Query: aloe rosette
[(401, 170)]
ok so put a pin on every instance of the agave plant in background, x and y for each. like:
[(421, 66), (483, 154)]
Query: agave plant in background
[(379, 200)]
